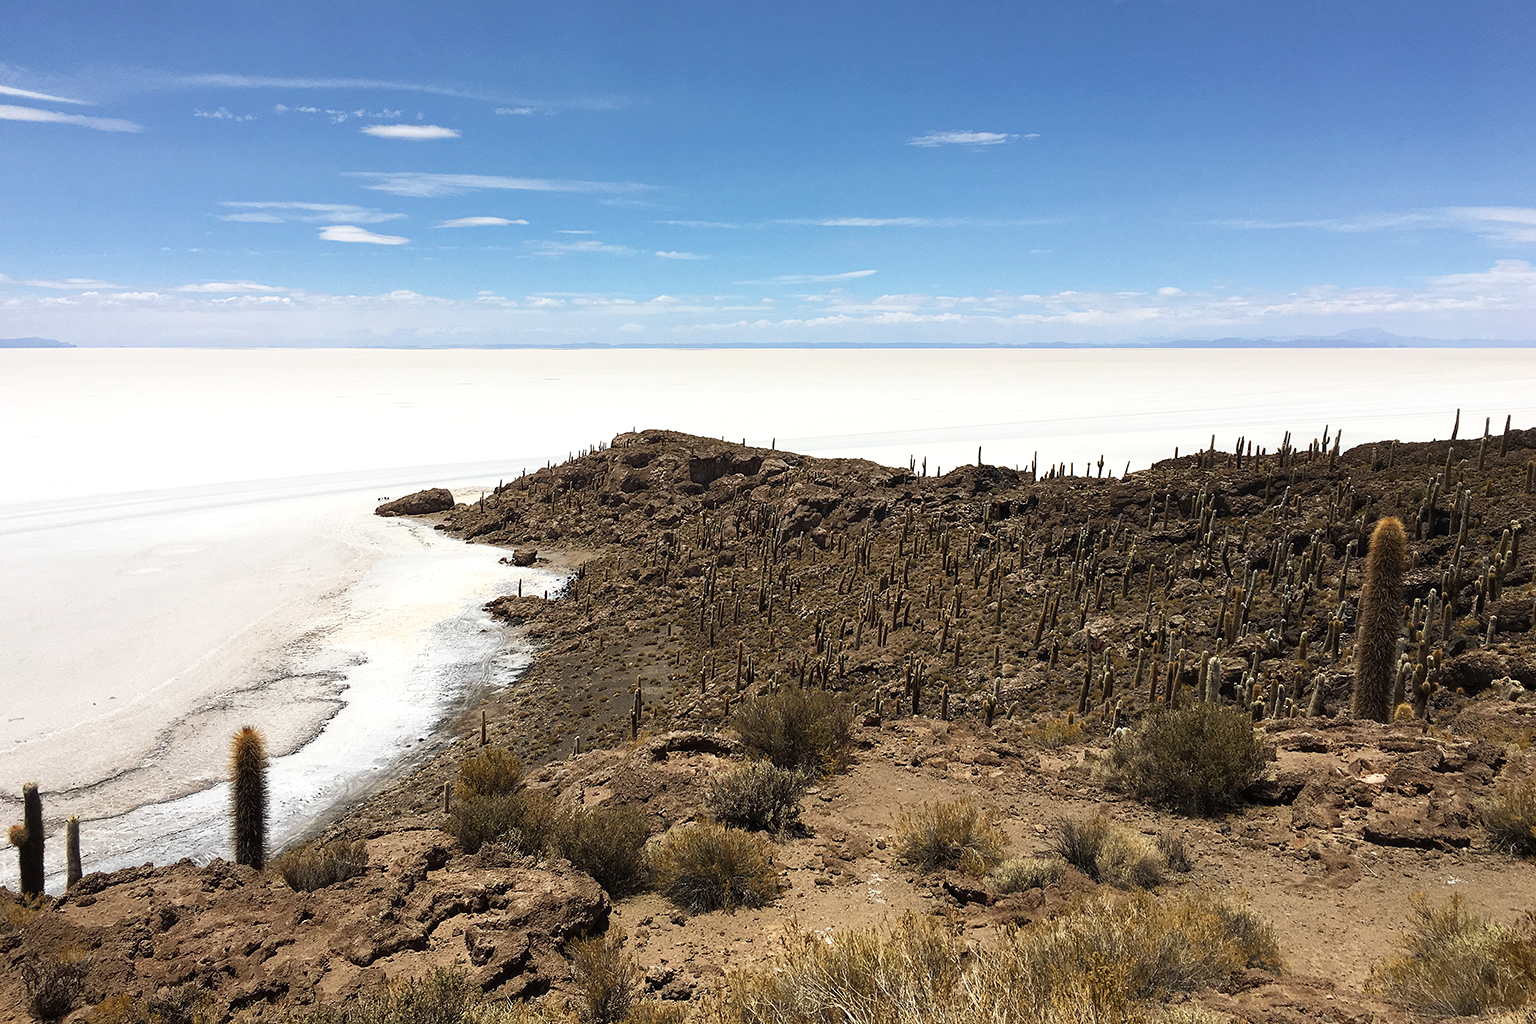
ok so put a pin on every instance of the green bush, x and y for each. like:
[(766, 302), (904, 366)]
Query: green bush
[(315, 867), (711, 867), (1510, 817), (1454, 962), (1197, 759), (607, 843), (1020, 873), (523, 820), (757, 796), (956, 834), (797, 729)]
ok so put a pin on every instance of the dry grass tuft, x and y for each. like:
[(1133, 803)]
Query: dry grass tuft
[(1129, 860), (797, 729), (607, 976), (1510, 817), (757, 796), (1020, 873), (523, 821), (711, 867), (1197, 759), (315, 867), (1454, 962), (955, 834), (492, 772), (1055, 733), (1093, 964), (53, 984), (607, 843), (1078, 841)]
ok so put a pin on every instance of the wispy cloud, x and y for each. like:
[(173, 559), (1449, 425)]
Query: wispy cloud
[(422, 185), (100, 124), (1504, 224), (155, 79), (521, 111), (964, 138), (676, 255), (223, 114), (698, 224), (305, 213), (478, 222), (411, 132), (878, 222), (353, 233), (68, 284), (812, 278), (545, 247), (28, 94)]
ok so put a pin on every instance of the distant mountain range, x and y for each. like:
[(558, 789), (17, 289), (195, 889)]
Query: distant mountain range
[(33, 343), (1369, 337)]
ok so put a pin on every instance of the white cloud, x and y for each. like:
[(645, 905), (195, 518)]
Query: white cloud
[(574, 231), (69, 284), (878, 222), (352, 233), (230, 287), (1170, 291), (27, 94), (962, 138), (479, 222), (100, 124), (1504, 224), (549, 248), (811, 278), (675, 255), (412, 132), (524, 111), (223, 114), (226, 81), (305, 213), (631, 328), (428, 186)]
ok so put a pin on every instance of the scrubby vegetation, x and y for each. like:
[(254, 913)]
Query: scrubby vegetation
[(607, 976), (492, 804), (53, 983), (955, 834), (1129, 860), (316, 866), (1094, 964), (758, 796), (1455, 962), (797, 729), (607, 843), (1197, 759), (1020, 873), (173, 1004), (712, 867), (1509, 815), (1054, 733), (1109, 853)]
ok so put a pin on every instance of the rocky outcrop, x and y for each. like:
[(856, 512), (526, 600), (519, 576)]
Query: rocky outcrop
[(433, 499)]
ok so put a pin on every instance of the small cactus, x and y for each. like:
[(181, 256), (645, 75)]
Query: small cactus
[(72, 847), (28, 840), (1380, 621)]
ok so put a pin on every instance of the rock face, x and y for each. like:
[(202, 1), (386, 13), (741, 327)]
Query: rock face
[(247, 938), (433, 499)]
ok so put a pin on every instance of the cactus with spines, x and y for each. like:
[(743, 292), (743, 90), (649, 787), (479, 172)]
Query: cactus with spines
[(248, 797), (72, 851), (1380, 623), (28, 840)]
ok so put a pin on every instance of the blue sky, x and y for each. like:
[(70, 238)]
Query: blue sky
[(511, 173)]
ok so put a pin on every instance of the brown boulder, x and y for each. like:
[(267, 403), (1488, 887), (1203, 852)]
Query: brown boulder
[(433, 499)]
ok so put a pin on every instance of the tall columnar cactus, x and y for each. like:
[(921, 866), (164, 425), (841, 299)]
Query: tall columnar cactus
[(72, 851), (248, 797), (1380, 622), (28, 840)]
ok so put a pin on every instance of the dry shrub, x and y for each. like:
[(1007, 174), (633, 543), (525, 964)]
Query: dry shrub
[(177, 1004), (797, 729), (653, 1012), (758, 796), (955, 834), (523, 821), (711, 867), (446, 996), (53, 983), (1020, 873), (1129, 860), (1078, 841), (315, 867), (607, 977), (1454, 962), (492, 772), (1174, 851), (1054, 733), (607, 843), (1197, 759), (1092, 964), (1510, 817)]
